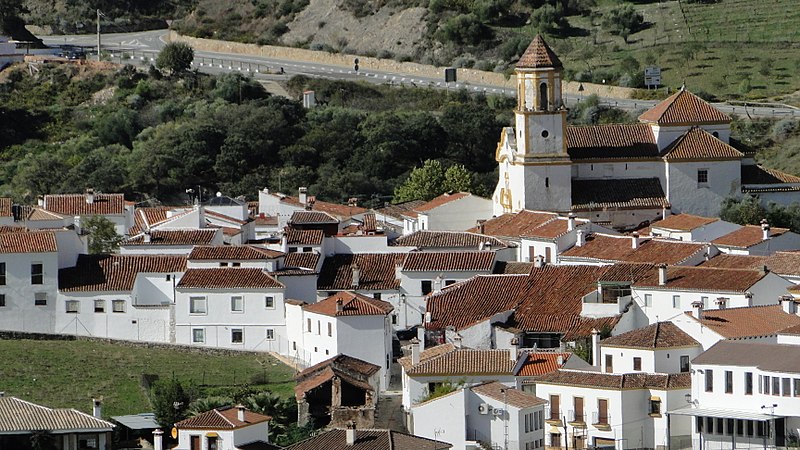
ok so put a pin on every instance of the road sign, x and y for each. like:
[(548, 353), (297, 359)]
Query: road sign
[(652, 76), (450, 75)]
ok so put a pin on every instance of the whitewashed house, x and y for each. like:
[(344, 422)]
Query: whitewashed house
[(601, 249), (282, 206), (79, 207), (490, 413), (245, 256), (231, 307), (173, 241), (691, 228), (658, 348), (225, 428), (450, 211), (346, 323), (757, 240)]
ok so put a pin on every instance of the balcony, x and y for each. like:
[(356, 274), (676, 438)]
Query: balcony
[(595, 305), (576, 418), (601, 421), (554, 418)]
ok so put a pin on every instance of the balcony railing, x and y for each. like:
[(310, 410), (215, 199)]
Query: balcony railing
[(576, 416), (554, 415), (600, 418)]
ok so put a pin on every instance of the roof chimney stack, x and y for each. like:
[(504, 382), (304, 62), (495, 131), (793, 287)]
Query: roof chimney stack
[(356, 276), (697, 309), (97, 408), (89, 196), (302, 195), (339, 305), (570, 222), (158, 439), (722, 302), (415, 351), (579, 238), (635, 240), (146, 236), (662, 274), (764, 229), (350, 434), (481, 223), (240, 412), (788, 304), (538, 261)]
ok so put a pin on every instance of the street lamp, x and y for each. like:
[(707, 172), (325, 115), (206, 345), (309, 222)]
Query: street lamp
[(405, 310)]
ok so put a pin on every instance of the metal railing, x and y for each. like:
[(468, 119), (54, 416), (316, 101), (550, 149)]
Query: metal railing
[(600, 419), (576, 416)]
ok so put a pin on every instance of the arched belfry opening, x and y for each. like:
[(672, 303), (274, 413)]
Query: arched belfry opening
[(543, 96)]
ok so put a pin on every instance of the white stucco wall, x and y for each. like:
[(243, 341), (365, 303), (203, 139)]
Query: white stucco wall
[(688, 196), (458, 215), (20, 312)]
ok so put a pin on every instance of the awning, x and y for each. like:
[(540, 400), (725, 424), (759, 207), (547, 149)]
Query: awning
[(212, 434), (721, 413), (143, 421), (655, 399)]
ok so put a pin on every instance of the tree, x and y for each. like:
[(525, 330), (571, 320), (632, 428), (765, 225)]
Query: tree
[(547, 19), (747, 211), (623, 21), (170, 402), (175, 57), (103, 237), (432, 180)]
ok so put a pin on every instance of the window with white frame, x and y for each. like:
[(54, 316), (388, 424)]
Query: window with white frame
[(118, 306), (40, 298), (269, 302), (676, 301), (270, 334), (237, 336), (99, 306), (72, 306), (237, 303), (198, 335), (648, 300), (197, 305)]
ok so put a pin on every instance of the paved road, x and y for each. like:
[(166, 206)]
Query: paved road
[(145, 44)]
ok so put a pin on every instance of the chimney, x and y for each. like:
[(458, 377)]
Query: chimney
[(89, 196), (595, 348), (721, 302), (662, 274), (788, 304), (635, 240), (40, 200), (303, 195), (749, 297), (356, 276), (350, 434), (512, 353), (764, 269), (158, 443), (764, 229), (97, 408), (560, 360), (240, 412), (284, 243), (457, 340), (437, 284), (481, 226), (697, 309), (579, 241), (339, 305), (538, 261), (414, 351), (147, 236), (352, 202), (570, 222)]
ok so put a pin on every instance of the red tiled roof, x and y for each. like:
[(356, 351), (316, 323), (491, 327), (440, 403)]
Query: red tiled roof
[(428, 353), (784, 263), (540, 363), (369, 440), (683, 107), (449, 261), (77, 205), (620, 248), (228, 278), (621, 193), (306, 260), (148, 216), (755, 174), (747, 236), (225, 418), (5, 207), (28, 242), (369, 222), (303, 237), (22, 417), (514, 225), (441, 200), (624, 141), (100, 273), (448, 239), (352, 305), (340, 211), (401, 209), (727, 261), (683, 222), (538, 55), (377, 272), (752, 321), (464, 361), (615, 381), (703, 279), (232, 252), (656, 336), (698, 143), (312, 217), (508, 395), (174, 237), (512, 268), (265, 220), (223, 217), (550, 230), (352, 370)]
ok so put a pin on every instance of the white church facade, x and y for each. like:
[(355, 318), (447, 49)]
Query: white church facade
[(677, 158)]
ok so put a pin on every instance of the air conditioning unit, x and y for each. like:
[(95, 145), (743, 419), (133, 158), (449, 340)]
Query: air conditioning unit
[(497, 412), (484, 408)]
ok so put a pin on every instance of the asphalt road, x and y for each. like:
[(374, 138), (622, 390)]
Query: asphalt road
[(139, 46)]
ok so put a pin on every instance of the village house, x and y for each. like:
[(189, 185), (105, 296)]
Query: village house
[(691, 228), (449, 211), (282, 206), (658, 348), (757, 240), (534, 364), (170, 241), (457, 241), (76, 208), (224, 428), (608, 249)]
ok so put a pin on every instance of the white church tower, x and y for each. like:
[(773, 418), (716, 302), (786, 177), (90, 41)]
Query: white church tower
[(535, 170)]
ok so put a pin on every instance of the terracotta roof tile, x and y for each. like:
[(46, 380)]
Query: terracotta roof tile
[(449, 261), (337, 210), (617, 381), (174, 237), (303, 237), (448, 239), (377, 271), (622, 193), (755, 174), (624, 141), (352, 304), (146, 217), (100, 273), (428, 353), (727, 261), (312, 217), (465, 361), (512, 268), (514, 225), (683, 222), (540, 363), (753, 321), (265, 220), (703, 279), (550, 230), (352, 370), (77, 204), (5, 207), (747, 236), (224, 418), (511, 396), (608, 248), (784, 263), (34, 213), (306, 260), (232, 252), (793, 330), (369, 440), (228, 278), (369, 222), (683, 107), (401, 209), (656, 336), (441, 200), (538, 55), (28, 242), (20, 416), (698, 143)]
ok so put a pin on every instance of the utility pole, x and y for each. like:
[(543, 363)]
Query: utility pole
[(98, 34)]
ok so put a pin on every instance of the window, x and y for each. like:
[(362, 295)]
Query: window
[(637, 363), (197, 305), (547, 182), (748, 383), (307, 249), (609, 364), (319, 327), (796, 380), (555, 407), (702, 177), (269, 302), (648, 300), (99, 306), (308, 325), (684, 363), (237, 336), (72, 306), (776, 386), (330, 329), (376, 295), (118, 306), (237, 304), (676, 301), (223, 264), (710, 425), (2, 274), (766, 385), (37, 273), (212, 443), (449, 282), (236, 264), (2, 300), (709, 380), (394, 319), (40, 299), (198, 335), (728, 382), (739, 427), (787, 388), (427, 287), (655, 406), (602, 411), (578, 404), (271, 335)]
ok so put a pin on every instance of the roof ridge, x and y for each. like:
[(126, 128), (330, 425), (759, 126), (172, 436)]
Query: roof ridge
[(217, 410)]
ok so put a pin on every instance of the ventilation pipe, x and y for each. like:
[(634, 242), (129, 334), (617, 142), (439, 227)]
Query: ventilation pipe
[(662, 274)]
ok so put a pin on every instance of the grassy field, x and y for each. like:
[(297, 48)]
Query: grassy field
[(71, 373)]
